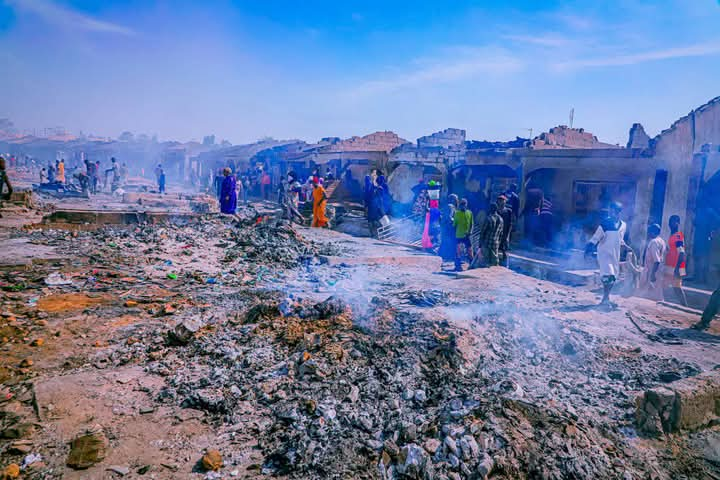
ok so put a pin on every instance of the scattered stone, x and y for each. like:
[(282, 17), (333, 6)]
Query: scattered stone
[(120, 470), (485, 466), (184, 332), (420, 396), (413, 462), (469, 447), (212, 460), (354, 394), (431, 445), (87, 450), (20, 447), (18, 430), (145, 410), (38, 342), (26, 362), (451, 445)]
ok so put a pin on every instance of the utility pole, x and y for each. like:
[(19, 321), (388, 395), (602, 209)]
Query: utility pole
[(572, 116)]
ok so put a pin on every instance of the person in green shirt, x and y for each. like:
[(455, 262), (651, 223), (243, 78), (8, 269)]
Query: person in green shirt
[(463, 223)]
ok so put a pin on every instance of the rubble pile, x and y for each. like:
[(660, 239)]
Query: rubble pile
[(322, 394), (306, 370)]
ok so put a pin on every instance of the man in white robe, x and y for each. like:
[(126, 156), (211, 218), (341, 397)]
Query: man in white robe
[(609, 239)]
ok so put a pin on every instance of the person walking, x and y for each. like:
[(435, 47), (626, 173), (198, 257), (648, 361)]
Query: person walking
[(490, 238), (507, 215), (265, 182), (4, 181), (609, 239), (51, 173), (711, 309), (375, 211), (448, 243), (320, 220), (61, 171), (653, 259), (161, 181), (292, 199), (228, 194), (675, 260), (463, 223)]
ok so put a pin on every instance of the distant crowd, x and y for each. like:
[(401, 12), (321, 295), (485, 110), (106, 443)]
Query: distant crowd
[(292, 192)]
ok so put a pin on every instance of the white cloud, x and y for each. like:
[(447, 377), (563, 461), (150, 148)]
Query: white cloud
[(468, 63), (698, 50), (66, 17), (543, 40)]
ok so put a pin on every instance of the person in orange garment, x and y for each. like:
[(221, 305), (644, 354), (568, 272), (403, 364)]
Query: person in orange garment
[(675, 260), (319, 204), (61, 171)]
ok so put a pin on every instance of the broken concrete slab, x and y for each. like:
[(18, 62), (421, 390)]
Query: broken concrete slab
[(688, 404)]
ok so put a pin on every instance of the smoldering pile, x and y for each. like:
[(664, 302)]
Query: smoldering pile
[(318, 395)]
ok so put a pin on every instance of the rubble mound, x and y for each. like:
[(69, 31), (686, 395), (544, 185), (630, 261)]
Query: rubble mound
[(322, 394)]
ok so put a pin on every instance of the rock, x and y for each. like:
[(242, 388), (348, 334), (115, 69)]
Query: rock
[(20, 447), (212, 460), (327, 412), (26, 362), (669, 376), (184, 332), (391, 448), (412, 462), (469, 447), (408, 394), (420, 396), (87, 450), (38, 342), (409, 432), (310, 406), (310, 369), (145, 410), (431, 445), (354, 394), (144, 469), (19, 430), (485, 466), (331, 307), (451, 445), (453, 460), (10, 472), (120, 470)]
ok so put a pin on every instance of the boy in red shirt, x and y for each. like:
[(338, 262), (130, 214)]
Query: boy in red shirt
[(675, 259)]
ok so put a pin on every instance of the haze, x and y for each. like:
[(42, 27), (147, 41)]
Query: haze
[(245, 70)]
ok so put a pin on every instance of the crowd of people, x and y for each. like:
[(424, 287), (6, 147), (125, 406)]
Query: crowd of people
[(88, 177), (456, 234), (291, 193), (661, 268)]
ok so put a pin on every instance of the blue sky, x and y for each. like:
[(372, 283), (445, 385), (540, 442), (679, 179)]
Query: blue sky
[(247, 69)]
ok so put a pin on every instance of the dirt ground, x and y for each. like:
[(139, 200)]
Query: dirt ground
[(525, 375)]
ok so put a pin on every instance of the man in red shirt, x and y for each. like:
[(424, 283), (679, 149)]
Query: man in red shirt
[(675, 260), (265, 185)]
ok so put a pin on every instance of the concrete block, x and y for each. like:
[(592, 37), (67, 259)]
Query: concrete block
[(688, 404)]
